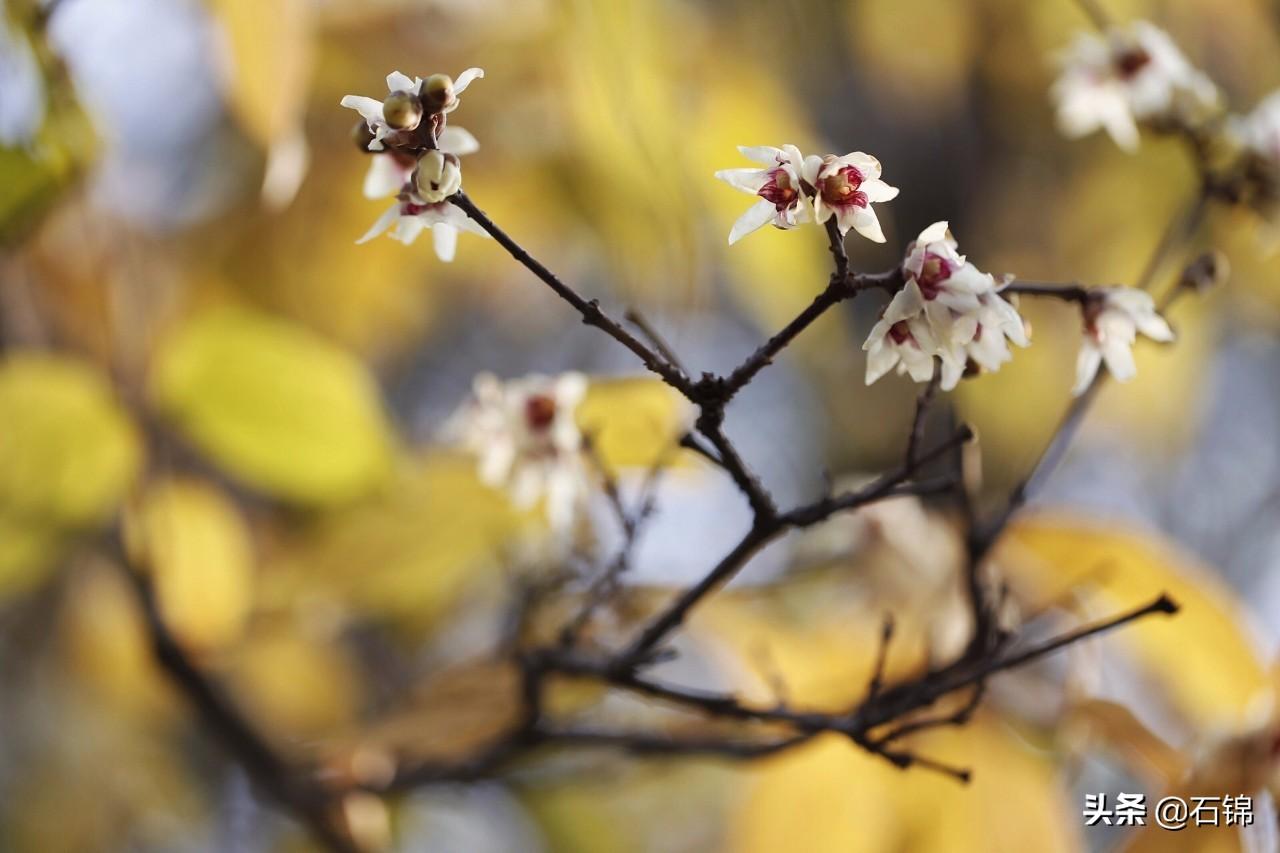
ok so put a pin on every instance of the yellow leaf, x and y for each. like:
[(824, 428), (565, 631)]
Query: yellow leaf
[(280, 408), (68, 453), (1201, 659), (198, 548), (633, 422), (271, 47), (297, 686), (408, 554)]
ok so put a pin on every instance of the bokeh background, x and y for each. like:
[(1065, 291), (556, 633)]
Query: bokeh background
[(191, 338)]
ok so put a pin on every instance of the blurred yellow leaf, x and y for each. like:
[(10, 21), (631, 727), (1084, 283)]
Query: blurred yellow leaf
[(199, 550), (276, 405), (831, 796), (297, 685), (633, 422), (1202, 659), (270, 62), (407, 554), (929, 75), (68, 453)]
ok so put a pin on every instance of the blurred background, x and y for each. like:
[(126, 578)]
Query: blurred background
[(190, 337)]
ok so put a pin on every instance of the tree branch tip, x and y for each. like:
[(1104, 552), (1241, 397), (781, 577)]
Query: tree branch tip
[(1165, 604)]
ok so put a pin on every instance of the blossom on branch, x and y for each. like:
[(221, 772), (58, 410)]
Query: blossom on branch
[(782, 199), (1131, 74), (846, 187), (1111, 322), (390, 170), (947, 308), (409, 100), (411, 214), (527, 441)]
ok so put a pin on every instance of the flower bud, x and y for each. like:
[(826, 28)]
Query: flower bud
[(438, 176), (402, 110), (437, 92), (361, 135)]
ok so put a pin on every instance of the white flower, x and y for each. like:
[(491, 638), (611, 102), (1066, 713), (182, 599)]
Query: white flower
[(411, 214), (782, 200), (1134, 73), (998, 323), (390, 170), (949, 285), (370, 109), (1259, 131), (527, 441), (1111, 323), (373, 111), (903, 339), (846, 187)]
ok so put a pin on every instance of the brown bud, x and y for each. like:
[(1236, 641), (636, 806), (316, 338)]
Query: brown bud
[(437, 92), (1207, 271), (402, 110), (361, 135)]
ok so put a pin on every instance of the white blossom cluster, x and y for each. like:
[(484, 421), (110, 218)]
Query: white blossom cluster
[(417, 157), (1127, 75)]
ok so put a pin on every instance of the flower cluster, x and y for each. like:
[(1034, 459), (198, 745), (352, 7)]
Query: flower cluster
[(794, 189), (949, 310), (527, 441), (1130, 74), (416, 157)]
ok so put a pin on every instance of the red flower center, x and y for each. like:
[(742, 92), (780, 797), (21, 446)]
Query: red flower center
[(778, 190), (1132, 61), (900, 332), (933, 272), (539, 412), (840, 189)]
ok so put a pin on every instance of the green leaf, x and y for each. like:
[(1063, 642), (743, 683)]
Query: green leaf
[(277, 406)]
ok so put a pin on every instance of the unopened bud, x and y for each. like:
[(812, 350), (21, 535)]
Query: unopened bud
[(402, 110), (361, 135), (438, 176), (437, 91), (1207, 271)]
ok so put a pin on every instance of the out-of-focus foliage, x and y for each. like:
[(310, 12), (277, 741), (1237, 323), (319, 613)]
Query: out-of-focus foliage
[(279, 407), (67, 455), (255, 401)]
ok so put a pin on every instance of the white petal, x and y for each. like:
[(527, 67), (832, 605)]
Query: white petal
[(1155, 327), (445, 240), (866, 164), (748, 180), (397, 82), (1118, 354), (952, 370), (1087, 364), (765, 154), (384, 178), (369, 108), (384, 222), (463, 80), (809, 168), (881, 358), (455, 140), (906, 303), (757, 216), (878, 190), (935, 232), (408, 228), (867, 224)]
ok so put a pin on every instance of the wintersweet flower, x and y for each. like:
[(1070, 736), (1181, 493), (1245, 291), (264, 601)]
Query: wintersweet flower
[(390, 170), (782, 198), (998, 322), (527, 441), (406, 103), (1133, 73), (846, 187), (411, 214), (964, 309), (1111, 323), (903, 339), (1259, 132)]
